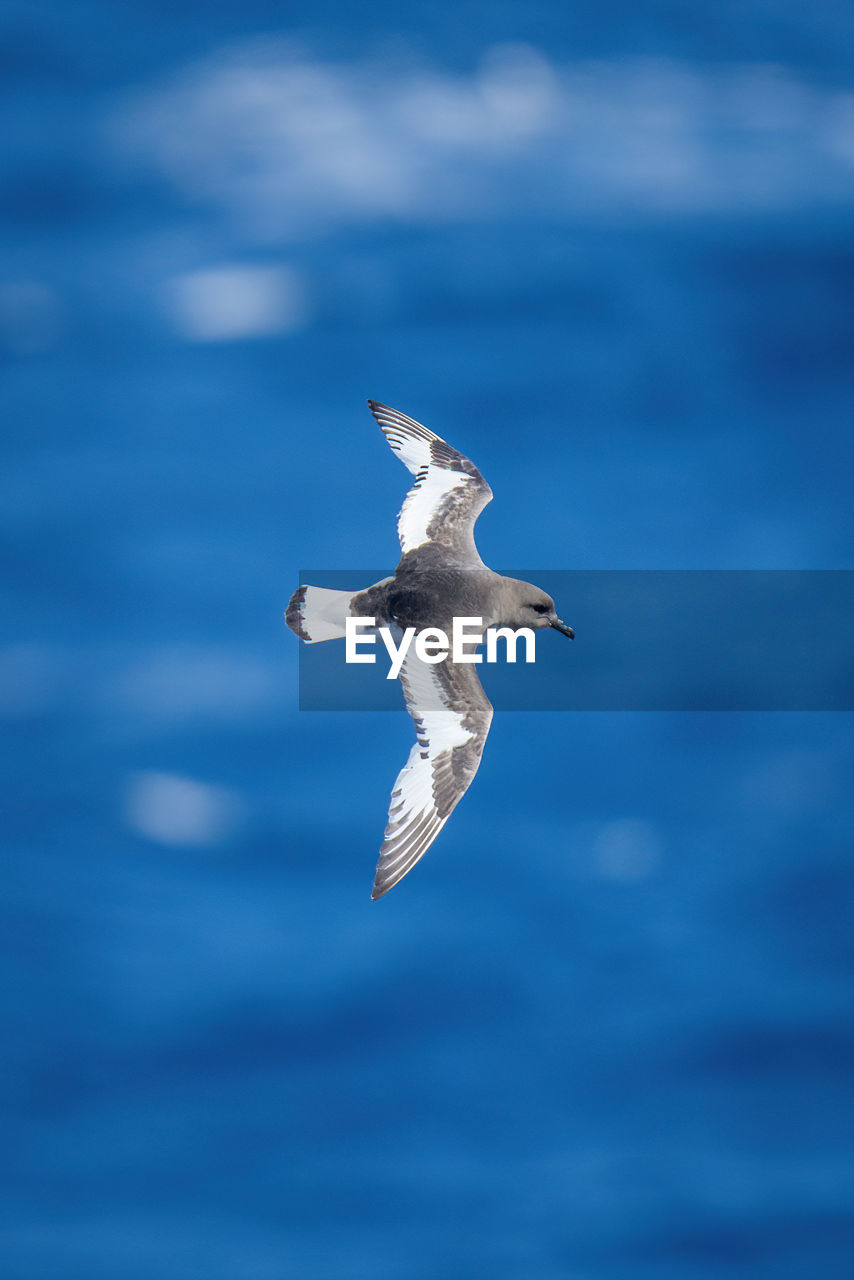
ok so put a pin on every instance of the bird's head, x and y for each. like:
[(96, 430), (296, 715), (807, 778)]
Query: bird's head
[(528, 606)]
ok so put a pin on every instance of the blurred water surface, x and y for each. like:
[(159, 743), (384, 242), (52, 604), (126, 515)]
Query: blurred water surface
[(604, 1030)]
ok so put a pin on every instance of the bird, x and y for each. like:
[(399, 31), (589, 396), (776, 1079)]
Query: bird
[(440, 576)]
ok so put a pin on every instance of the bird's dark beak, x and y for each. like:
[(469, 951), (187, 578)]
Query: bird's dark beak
[(554, 621)]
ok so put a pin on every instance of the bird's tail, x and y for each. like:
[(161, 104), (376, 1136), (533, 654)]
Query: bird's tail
[(316, 613)]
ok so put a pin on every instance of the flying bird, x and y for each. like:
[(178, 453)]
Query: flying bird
[(440, 576)]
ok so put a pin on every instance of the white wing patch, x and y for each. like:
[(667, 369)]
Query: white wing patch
[(414, 819), (412, 448), (449, 491), (422, 503)]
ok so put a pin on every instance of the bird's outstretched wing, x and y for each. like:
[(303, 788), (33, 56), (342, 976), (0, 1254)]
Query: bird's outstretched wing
[(449, 492), (452, 715)]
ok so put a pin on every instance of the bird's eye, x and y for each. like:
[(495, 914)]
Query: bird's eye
[(540, 608)]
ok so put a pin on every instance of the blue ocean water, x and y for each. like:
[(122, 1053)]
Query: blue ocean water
[(604, 1030)]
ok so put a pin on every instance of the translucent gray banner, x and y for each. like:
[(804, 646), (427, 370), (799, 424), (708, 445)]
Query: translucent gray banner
[(646, 640)]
